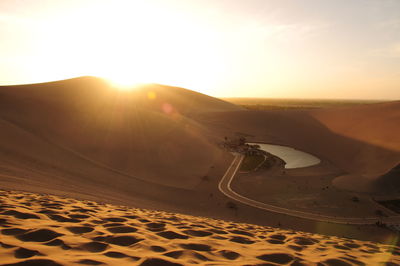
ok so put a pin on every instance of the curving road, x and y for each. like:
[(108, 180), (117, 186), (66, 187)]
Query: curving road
[(225, 187)]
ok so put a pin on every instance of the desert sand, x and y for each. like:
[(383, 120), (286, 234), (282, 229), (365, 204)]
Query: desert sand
[(50, 230), (362, 140), (159, 148), (116, 128)]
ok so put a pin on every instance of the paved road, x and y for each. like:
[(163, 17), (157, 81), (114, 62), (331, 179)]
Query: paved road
[(225, 187)]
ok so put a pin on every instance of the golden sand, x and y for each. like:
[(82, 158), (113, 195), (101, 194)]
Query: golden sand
[(51, 230)]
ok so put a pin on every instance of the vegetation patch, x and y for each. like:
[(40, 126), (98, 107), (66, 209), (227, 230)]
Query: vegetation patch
[(251, 162), (288, 104)]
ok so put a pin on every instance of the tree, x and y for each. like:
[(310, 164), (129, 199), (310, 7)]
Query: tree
[(231, 205), (205, 178)]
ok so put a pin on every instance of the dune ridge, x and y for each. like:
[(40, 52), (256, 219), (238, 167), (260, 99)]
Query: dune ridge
[(159, 147), (169, 135), (360, 140), (52, 230), (149, 138)]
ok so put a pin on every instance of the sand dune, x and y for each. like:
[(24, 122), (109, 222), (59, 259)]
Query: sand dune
[(169, 135), (373, 124), (49, 230), (181, 100), (363, 140), (158, 147), (124, 130), (376, 127)]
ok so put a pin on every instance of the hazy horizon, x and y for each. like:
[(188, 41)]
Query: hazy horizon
[(223, 97), (224, 132), (256, 49)]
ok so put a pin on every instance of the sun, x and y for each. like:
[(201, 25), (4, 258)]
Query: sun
[(121, 81), (137, 43)]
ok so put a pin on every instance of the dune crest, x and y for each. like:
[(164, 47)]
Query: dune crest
[(160, 147), (150, 138)]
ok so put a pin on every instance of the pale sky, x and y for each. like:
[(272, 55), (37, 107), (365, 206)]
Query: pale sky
[(224, 48)]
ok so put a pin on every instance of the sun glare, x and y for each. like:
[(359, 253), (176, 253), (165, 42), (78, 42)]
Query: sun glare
[(122, 82), (130, 47)]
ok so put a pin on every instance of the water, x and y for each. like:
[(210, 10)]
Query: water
[(292, 157)]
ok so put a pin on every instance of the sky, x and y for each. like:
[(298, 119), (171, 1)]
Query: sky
[(224, 48)]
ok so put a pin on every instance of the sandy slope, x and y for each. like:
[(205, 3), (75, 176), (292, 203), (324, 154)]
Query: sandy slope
[(374, 124), (147, 138), (168, 135), (157, 148), (363, 140), (376, 127), (50, 230)]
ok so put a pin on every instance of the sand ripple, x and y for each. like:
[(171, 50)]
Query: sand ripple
[(49, 230)]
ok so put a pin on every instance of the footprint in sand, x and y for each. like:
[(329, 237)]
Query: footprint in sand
[(63, 219), (124, 240), (4, 245), (34, 262), (174, 254), (337, 262), (280, 258), (23, 253), (115, 220), (122, 229), (303, 241), (278, 237), (79, 229), (3, 222), (200, 256), (57, 242), (114, 254), (230, 255), (78, 216), (131, 216), (158, 262), (83, 210), (172, 235), (198, 247), (157, 249), (94, 246), (240, 232), (241, 240), (220, 232), (295, 248), (13, 231), (198, 233), (89, 262), (155, 226), (41, 235), (20, 215), (112, 224), (275, 241)]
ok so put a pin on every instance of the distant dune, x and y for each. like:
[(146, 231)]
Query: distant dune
[(362, 140), (158, 147), (370, 147), (149, 138)]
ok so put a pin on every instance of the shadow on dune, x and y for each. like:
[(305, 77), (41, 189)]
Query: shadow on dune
[(82, 137), (166, 135), (152, 147), (148, 137), (364, 164)]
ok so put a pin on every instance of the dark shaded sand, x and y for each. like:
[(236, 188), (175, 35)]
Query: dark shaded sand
[(80, 116), (133, 240), (83, 138)]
